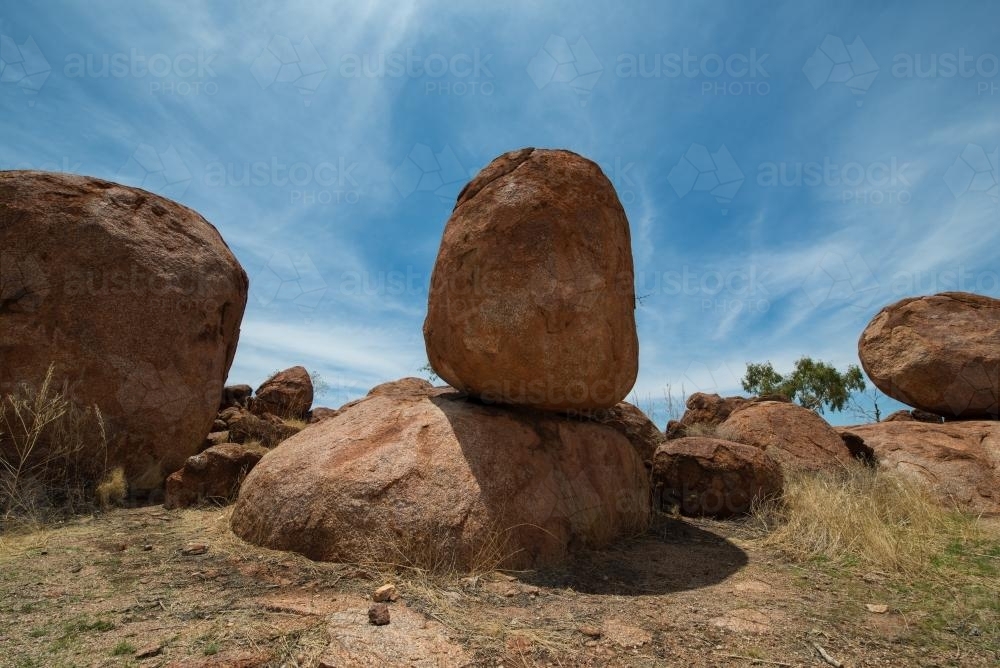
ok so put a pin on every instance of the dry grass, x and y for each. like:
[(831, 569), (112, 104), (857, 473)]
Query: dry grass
[(862, 515), (112, 490), (706, 429), (50, 452)]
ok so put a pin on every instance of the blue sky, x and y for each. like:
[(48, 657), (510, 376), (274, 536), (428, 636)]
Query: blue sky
[(786, 172)]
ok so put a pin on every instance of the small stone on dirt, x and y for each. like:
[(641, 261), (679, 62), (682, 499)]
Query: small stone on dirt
[(877, 608), (378, 614), (149, 651), (386, 593), (592, 631), (192, 549)]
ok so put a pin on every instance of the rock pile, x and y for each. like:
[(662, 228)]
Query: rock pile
[(90, 272), (530, 315)]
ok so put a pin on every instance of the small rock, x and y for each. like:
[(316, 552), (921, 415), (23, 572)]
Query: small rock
[(192, 549), (147, 547), (378, 614), (591, 631), (386, 592), (149, 651), (877, 608)]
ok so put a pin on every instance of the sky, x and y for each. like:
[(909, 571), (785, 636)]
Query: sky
[(787, 169)]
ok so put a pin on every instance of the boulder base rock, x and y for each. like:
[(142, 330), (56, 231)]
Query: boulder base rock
[(287, 394), (958, 461), (135, 300), (794, 436), (211, 476), (532, 298), (709, 476), (939, 353), (635, 425), (432, 477)]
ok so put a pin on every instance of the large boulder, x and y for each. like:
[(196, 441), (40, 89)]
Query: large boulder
[(287, 394), (958, 461), (939, 353), (433, 477), (794, 436), (710, 476), (135, 300), (212, 476), (532, 298)]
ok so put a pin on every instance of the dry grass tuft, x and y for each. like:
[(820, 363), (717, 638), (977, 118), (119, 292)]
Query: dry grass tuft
[(112, 490), (51, 450), (862, 515)]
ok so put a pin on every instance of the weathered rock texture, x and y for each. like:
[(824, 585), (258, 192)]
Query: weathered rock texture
[(432, 477), (211, 476), (958, 461), (794, 436), (135, 300), (710, 476), (287, 394), (532, 299), (939, 353)]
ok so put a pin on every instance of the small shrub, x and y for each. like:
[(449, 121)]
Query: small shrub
[(123, 648), (51, 452), (112, 490)]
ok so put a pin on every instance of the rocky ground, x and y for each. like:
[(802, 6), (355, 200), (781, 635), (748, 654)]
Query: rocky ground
[(151, 587)]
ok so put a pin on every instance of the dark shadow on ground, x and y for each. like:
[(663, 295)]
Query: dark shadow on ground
[(674, 555)]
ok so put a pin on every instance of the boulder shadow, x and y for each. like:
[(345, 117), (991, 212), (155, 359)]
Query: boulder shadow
[(672, 556)]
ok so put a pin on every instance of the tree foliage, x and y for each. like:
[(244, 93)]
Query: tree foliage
[(812, 383)]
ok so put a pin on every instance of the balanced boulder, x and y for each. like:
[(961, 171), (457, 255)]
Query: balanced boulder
[(939, 353), (532, 298), (794, 436), (287, 394), (709, 476), (433, 477), (134, 300), (959, 462)]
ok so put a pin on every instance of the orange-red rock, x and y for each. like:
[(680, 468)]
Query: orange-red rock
[(958, 461), (442, 479), (939, 353), (212, 475), (532, 299), (794, 436), (710, 476), (288, 393), (135, 299)]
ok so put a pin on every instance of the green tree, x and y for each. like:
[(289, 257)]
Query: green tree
[(813, 384)]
